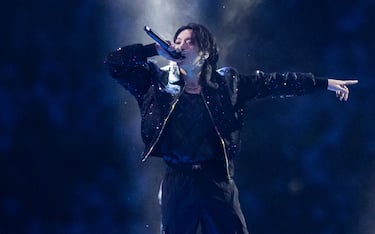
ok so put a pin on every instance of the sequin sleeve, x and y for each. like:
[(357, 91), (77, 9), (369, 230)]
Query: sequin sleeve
[(277, 85), (129, 66)]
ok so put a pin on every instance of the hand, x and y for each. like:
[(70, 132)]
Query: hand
[(340, 87)]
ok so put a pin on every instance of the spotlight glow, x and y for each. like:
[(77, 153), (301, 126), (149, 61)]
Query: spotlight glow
[(128, 19)]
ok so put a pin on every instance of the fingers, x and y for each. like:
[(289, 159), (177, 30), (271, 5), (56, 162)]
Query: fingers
[(340, 87), (332, 83), (343, 94), (350, 82)]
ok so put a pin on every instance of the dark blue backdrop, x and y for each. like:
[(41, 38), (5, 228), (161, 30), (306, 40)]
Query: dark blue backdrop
[(69, 134)]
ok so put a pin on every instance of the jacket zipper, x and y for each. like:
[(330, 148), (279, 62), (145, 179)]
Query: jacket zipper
[(147, 154), (220, 137)]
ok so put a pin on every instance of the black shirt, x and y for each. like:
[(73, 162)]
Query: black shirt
[(190, 135)]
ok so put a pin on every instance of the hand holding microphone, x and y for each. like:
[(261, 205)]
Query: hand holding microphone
[(164, 44)]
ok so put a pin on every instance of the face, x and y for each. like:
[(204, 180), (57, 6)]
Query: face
[(193, 56)]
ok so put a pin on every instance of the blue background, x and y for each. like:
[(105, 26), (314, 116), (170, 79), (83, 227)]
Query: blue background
[(69, 134)]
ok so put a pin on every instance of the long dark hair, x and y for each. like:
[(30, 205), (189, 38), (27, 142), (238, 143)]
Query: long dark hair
[(203, 38)]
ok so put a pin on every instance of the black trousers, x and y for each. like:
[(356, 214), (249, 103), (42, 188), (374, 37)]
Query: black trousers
[(200, 196)]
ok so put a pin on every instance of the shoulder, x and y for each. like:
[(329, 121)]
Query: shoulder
[(227, 71), (228, 74)]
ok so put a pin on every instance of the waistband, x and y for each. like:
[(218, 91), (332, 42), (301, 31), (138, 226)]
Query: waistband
[(215, 166)]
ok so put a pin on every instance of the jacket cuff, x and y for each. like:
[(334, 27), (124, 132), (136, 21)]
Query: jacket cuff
[(150, 50), (321, 82)]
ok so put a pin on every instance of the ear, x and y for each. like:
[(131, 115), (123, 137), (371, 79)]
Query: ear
[(205, 54)]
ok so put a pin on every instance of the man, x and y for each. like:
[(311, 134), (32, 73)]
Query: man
[(192, 118)]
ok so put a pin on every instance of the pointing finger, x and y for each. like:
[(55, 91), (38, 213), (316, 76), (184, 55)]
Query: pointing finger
[(350, 82)]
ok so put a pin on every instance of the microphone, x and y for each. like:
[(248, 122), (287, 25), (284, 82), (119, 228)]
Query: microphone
[(162, 43)]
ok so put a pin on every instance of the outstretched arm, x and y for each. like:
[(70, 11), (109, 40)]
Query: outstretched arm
[(340, 87)]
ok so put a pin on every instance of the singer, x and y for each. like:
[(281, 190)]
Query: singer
[(192, 118)]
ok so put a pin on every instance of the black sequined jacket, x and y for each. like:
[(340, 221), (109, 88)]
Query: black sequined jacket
[(225, 102)]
